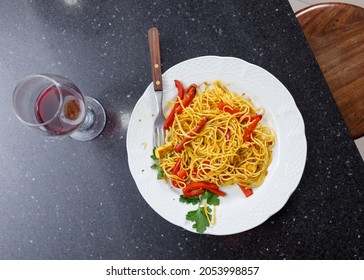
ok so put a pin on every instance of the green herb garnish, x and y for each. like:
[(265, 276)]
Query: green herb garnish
[(212, 199), (190, 200), (198, 216), (156, 166), (153, 156)]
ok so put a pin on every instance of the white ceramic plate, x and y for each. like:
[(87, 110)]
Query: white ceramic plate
[(236, 213)]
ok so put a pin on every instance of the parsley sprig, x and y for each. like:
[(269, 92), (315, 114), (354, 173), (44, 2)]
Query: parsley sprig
[(198, 216), (156, 166)]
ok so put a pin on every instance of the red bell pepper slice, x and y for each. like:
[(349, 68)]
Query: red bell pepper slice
[(190, 95), (218, 192), (170, 119), (251, 118), (251, 128), (193, 193), (226, 108), (180, 89), (177, 166), (180, 173), (197, 188), (248, 192), (190, 135)]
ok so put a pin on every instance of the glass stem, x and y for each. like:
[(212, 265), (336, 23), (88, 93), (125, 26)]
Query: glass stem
[(89, 120)]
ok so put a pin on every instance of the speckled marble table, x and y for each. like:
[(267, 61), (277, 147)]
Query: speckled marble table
[(62, 199)]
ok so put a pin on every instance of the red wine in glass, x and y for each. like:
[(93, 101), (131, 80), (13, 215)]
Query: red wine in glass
[(54, 106), (71, 106)]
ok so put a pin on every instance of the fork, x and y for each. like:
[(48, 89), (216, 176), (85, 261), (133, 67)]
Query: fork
[(155, 58)]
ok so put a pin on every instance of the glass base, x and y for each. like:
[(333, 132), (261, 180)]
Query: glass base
[(94, 123)]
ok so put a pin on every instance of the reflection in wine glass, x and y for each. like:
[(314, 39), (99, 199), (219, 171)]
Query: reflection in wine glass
[(54, 106)]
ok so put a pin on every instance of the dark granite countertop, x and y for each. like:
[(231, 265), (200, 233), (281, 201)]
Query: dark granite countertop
[(62, 199)]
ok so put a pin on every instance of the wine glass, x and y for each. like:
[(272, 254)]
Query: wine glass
[(54, 106)]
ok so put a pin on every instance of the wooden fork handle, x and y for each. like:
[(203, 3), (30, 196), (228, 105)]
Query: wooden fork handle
[(155, 58)]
